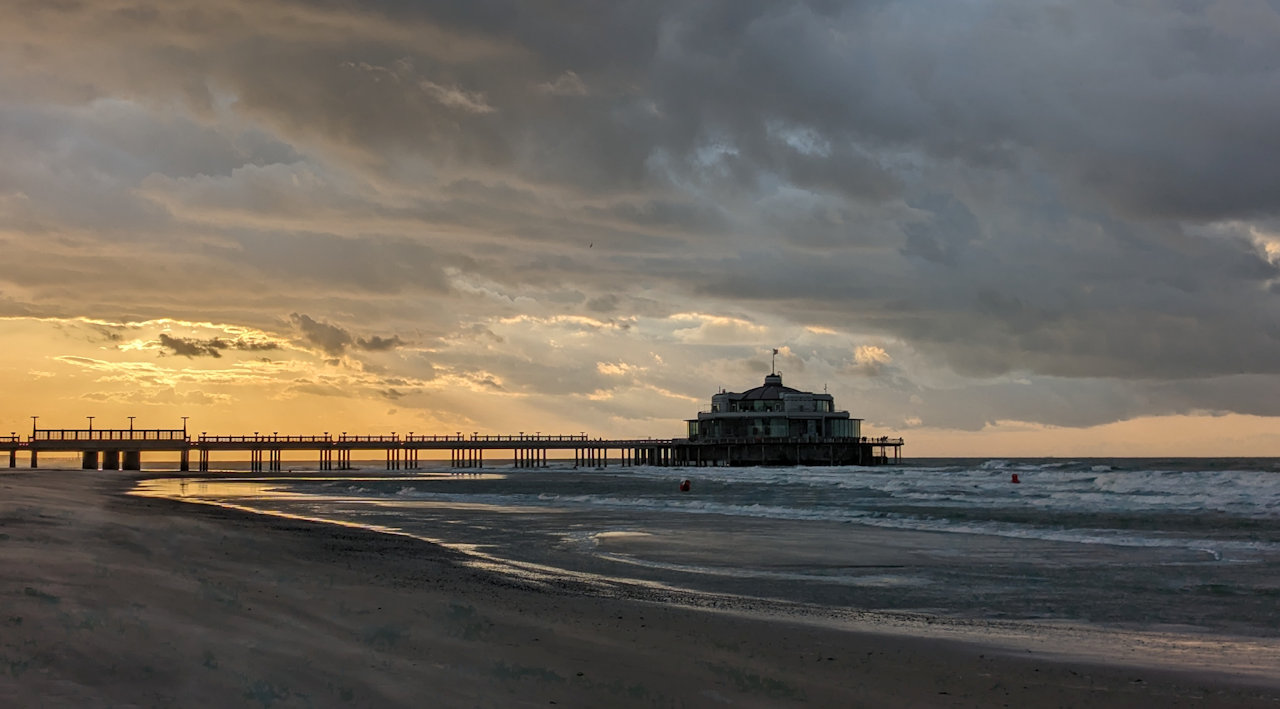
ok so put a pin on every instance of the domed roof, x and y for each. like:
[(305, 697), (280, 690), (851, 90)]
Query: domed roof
[(772, 389)]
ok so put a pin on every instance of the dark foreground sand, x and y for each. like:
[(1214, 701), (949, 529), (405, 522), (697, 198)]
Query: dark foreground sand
[(111, 600)]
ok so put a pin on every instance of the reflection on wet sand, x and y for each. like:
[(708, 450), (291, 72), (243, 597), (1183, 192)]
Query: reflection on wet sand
[(745, 567)]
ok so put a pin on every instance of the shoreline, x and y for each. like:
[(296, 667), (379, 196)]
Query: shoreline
[(115, 599), (1161, 646)]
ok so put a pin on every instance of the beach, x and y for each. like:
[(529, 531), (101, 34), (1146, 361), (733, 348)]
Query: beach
[(117, 600)]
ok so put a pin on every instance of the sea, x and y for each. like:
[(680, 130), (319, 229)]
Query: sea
[(1172, 545)]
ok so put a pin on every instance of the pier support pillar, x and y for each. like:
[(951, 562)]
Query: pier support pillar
[(184, 461), (35, 460), (133, 460), (13, 458), (110, 460), (89, 460)]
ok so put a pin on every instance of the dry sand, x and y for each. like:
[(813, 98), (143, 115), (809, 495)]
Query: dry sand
[(110, 600)]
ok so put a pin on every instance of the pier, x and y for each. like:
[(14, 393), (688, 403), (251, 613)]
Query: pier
[(122, 449)]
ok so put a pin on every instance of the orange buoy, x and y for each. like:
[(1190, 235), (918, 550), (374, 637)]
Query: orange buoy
[(1014, 479), (684, 486)]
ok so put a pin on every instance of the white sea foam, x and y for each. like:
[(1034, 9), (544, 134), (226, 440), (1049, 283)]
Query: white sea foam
[(1227, 550), (1056, 501), (1242, 493)]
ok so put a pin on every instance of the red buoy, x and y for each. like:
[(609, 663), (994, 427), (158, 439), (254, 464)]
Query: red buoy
[(1014, 479), (684, 486)]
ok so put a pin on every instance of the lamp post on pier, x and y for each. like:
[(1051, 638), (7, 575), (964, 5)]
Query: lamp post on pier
[(33, 425), (131, 418), (90, 425)]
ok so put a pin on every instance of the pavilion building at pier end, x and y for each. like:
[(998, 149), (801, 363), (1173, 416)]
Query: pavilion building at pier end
[(774, 424)]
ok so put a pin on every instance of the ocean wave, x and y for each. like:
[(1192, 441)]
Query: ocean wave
[(1087, 502), (1227, 549), (1070, 488)]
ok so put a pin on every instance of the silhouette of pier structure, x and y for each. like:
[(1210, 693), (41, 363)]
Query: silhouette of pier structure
[(122, 449)]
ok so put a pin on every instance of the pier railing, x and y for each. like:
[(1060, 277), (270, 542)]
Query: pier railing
[(264, 439), (535, 438), (143, 435), (394, 438), (72, 434)]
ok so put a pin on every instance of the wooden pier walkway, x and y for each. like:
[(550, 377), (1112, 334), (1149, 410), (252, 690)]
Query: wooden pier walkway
[(122, 449)]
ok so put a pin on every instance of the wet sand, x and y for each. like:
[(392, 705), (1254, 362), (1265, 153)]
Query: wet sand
[(113, 600)]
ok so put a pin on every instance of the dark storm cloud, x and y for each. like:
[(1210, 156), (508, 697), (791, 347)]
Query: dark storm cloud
[(335, 340), (1095, 299), (192, 347), (949, 227), (330, 338), (1160, 108), (212, 347), (379, 344)]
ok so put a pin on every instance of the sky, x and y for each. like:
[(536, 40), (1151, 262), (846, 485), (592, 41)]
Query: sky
[(993, 227)]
